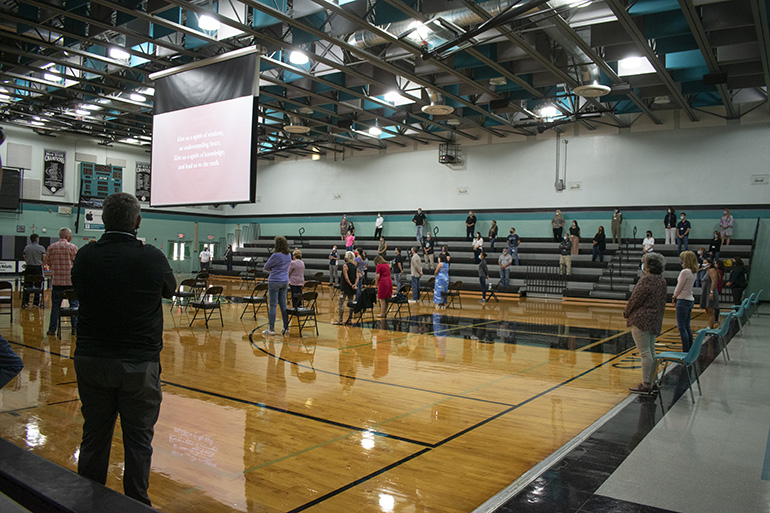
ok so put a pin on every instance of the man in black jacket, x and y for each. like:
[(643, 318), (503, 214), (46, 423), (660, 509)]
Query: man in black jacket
[(120, 282)]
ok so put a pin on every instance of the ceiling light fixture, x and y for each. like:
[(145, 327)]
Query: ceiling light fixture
[(207, 22), (298, 58), (137, 97), (91, 106), (631, 62), (81, 112), (51, 77), (119, 53), (548, 111), (375, 131), (392, 96)]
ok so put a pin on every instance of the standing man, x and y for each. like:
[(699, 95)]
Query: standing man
[(120, 281), (205, 258), (34, 256), (513, 246), (416, 269), (344, 226), (682, 233), (398, 269), (419, 221), (229, 257), (333, 257), (428, 247), (378, 226), (61, 255), (617, 223), (492, 235), (565, 257), (504, 261), (470, 225)]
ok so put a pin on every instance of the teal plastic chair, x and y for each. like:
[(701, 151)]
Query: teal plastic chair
[(687, 359), (755, 301), (738, 312), (721, 333)]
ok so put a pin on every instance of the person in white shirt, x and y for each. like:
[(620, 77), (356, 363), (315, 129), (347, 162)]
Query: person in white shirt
[(477, 244), (378, 226), (205, 259), (647, 244)]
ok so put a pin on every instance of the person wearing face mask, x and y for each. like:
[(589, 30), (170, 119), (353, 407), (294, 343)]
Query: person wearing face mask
[(617, 222), (565, 257), (574, 236), (709, 297), (669, 224), (726, 226), (737, 281), (557, 223), (682, 233), (683, 297), (644, 315), (715, 246), (701, 266)]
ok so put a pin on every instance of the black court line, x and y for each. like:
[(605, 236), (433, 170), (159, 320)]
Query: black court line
[(346, 487), (297, 414), (63, 402), (66, 383)]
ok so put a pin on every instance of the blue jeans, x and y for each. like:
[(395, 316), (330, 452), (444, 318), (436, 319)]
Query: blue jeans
[(229, 264), (682, 241), (492, 244), (683, 316), (699, 277), (10, 363), (276, 296), (504, 277), (419, 233), (597, 253), (415, 288), (56, 299), (397, 281), (514, 252), (483, 282)]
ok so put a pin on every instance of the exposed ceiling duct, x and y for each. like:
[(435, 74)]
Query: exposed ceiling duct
[(437, 106)]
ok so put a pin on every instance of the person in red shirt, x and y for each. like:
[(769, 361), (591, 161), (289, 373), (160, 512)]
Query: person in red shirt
[(60, 256)]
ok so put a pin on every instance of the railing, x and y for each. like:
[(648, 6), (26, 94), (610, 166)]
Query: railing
[(545, 279), (301, 239)]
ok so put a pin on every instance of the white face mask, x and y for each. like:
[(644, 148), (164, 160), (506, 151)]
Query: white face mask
[(682, 218)]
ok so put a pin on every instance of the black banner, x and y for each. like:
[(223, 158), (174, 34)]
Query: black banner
[(53, 170), (143, 181)]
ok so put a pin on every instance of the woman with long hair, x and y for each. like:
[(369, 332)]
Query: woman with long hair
[(296, 277), (726, 226), (683, 297), (738, 282), (277, 283), (574, 237), (600, 244), (441, 285), (383, 284), (709, 297), (348, 282)]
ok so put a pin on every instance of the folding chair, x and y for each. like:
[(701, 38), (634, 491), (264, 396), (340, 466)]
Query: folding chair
[(720, 333), (71, 311), (426, 290), (33, 286), (454, 292), (755, 301), (394, 300), (209, 301), (6, 297), (248, 276), (255, 300), (491, 293), (687, 359), (187, 291), (306, 312), (202, 280), (738, 311)]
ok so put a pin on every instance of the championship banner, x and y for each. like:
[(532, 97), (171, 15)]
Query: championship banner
[(143, 181), (53, 170)]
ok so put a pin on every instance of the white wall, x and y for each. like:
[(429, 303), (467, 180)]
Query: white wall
[(675, 165)]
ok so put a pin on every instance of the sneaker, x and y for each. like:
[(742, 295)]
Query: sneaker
[(482, 300), (284, 331), (640, 389), (338, 323), (268, 332), (50, 333)]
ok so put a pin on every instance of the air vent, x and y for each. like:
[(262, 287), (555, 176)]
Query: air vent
[(591, 90), (437, 109)]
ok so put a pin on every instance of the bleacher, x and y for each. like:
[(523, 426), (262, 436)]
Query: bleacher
[(612, 279)]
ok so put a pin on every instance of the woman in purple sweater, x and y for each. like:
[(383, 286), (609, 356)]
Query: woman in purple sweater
[(277, 283), (644, 313)]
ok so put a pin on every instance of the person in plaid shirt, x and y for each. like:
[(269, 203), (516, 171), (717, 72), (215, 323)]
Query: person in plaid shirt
[(60, 256)]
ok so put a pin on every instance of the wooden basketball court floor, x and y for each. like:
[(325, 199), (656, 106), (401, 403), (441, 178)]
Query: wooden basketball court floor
[(435, 412)]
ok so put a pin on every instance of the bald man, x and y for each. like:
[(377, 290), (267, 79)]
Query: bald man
[(60, 256)]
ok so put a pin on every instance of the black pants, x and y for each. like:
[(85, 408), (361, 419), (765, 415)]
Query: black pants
[(737, 294), (377, 233), (296, 295), (557, 233), (32, 270), (470, 231), (109, 387)]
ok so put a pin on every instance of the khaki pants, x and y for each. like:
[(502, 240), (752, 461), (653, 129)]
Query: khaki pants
[(429, 260), (565, 261)]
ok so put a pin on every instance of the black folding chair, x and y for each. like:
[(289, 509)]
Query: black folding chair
[(208, 302), (70, 311), (6, 297), (306, 312), (491, 293), (453, 291), (187, 291), (400, 301), (427, 289), (257, 298), (202, 280), (33, 286)]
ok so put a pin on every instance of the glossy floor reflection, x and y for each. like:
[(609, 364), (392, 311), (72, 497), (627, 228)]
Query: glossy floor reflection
[(434, 413)]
